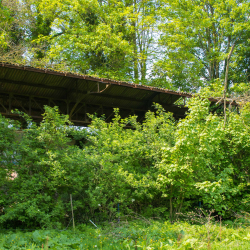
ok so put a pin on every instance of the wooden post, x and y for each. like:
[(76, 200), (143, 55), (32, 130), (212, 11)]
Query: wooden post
[(72, 212)]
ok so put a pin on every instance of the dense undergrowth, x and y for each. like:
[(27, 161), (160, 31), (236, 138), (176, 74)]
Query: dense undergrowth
[(157, 169), (145, 234)]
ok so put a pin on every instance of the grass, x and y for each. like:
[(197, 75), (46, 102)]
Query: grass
[(132, 235)]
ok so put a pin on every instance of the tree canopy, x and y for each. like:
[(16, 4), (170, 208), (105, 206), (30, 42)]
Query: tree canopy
[(172, 44)]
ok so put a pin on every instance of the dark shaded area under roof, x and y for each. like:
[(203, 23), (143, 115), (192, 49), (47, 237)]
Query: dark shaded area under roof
[(29, 89)]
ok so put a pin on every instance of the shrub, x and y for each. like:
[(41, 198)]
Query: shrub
[(159, 168)]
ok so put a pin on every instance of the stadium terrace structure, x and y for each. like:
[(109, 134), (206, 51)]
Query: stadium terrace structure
[(28, 89)]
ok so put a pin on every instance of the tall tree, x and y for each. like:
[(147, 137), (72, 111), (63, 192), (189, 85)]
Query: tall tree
[(111, 38), (87, 36), (198, 35), (143, 20), (241, 60), (11, 33)]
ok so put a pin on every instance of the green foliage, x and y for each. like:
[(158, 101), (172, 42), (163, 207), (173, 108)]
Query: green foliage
[(38, 160), (157, 168), (89, 35), (131, 235), (168, 44), (12, 34), (206, 159), (5, 24), (198, 36)]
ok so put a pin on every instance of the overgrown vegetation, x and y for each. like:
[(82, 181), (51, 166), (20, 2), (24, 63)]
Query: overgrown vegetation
[(133, 234), (162, 168), (165, 43), (158, 169)]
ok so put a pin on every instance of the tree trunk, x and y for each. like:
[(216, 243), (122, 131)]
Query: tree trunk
[(225, 83)]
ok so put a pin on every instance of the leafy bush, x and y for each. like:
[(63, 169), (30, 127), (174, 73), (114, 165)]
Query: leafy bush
[(159, 168)]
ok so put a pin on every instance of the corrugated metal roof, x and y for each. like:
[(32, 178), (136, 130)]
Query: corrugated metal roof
[(66, 78), (100, 94)]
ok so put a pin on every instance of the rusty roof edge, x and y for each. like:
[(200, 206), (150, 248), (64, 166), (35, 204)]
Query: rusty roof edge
[(91, 78), (108, 81)]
